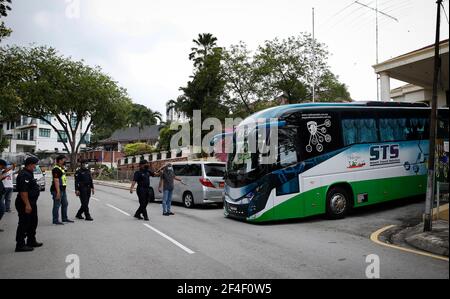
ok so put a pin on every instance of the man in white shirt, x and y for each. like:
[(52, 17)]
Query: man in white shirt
[(8, 185)]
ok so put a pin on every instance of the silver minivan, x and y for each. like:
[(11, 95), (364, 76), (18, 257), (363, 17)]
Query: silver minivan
[(204, 183)]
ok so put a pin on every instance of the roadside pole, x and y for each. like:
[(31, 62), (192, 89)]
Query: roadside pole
[(428, 218)]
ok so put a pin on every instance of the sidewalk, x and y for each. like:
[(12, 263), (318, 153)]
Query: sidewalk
[(413, 236), (113, 184)]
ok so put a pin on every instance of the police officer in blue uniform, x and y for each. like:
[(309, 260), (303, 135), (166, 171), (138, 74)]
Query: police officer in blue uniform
[(84, 187), (26, 205), (142, 179)]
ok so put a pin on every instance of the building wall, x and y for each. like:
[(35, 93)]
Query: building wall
[(422, 95), (34, 141)]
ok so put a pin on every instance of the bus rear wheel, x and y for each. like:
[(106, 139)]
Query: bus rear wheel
[(338, 203)]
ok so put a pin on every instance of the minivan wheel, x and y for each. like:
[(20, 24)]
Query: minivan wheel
[(338, 203), (188, 200)]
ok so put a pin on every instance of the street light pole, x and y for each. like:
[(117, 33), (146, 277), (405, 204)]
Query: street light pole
[(428, 221)]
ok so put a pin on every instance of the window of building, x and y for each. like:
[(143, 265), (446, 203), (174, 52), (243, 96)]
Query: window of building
[(48, 118), (45, 133), (31, 134), (73, 122), (62, 137)]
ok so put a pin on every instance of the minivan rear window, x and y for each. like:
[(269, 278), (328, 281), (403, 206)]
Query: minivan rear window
[(215, 170)]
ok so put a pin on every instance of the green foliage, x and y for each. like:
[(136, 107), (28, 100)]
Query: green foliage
[(4, 9), (141, 116), (134, 149), (38, 81)]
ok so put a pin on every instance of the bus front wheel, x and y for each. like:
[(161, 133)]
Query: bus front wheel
[(338, 203)]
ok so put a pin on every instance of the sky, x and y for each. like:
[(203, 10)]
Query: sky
[(144, 44)]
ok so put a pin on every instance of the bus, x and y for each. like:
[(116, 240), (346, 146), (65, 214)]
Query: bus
[(331, 158)]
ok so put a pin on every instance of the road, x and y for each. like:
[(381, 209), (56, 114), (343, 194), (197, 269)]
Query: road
[(201, 243)]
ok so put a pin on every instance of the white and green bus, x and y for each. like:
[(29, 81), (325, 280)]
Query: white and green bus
[(331, 158)]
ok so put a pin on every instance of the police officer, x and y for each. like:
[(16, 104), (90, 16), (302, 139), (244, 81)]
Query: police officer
[(26, 205), (58, 190), (142, 179), (83, 189)]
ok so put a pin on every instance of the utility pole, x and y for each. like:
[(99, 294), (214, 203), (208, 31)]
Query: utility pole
[(377, 51), (314, 57), (428, 221)]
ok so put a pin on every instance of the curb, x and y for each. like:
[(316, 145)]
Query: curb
[(374, 237), (111, 185)]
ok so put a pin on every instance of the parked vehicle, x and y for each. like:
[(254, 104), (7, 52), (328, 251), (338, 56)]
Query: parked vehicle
[(39, 175), (204, 183)]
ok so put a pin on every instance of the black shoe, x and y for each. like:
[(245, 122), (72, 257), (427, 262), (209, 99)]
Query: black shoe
[(146, 219), (35, 244), (24, 249), (170, 213), (58, 223), (79, 217), (89, 218), (166, 214), (68, 221), (138, 217), (1, 230)]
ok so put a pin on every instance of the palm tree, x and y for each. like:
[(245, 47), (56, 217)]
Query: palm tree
[(205, 45)]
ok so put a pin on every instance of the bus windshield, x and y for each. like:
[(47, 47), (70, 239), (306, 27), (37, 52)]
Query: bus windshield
[(249, 162)]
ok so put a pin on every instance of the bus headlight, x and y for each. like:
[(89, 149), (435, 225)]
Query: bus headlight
[(250, 196)]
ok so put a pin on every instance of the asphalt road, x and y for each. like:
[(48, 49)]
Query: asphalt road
[(201, 243)]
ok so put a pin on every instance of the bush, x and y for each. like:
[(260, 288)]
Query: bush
[(134, 149)]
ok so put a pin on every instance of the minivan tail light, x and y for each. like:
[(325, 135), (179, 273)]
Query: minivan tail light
[(207, 183)]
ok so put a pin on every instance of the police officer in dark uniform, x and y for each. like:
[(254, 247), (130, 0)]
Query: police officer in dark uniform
[(84, 187), (142, 179), (26, 205)]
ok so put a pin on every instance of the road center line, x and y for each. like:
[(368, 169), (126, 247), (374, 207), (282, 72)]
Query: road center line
[(170, 239), (117, 209)]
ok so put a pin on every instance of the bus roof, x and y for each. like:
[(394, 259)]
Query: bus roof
[(276, 112)]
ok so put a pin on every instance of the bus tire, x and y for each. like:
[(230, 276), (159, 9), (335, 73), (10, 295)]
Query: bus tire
[(188, 200), (338, 203)]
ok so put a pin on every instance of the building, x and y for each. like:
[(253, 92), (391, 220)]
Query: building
[(122, 137), (417, 70), (34, 135), (172, 115)]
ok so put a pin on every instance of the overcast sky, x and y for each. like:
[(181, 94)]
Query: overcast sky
[(144, 44)]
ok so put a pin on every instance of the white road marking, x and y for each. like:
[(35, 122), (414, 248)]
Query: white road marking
[(94, 198), (170, 239), (117, 209)]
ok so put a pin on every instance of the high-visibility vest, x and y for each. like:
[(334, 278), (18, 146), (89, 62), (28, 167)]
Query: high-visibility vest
[(63, 179)]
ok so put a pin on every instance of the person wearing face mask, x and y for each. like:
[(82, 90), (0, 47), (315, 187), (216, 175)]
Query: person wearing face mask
[(59, 192), (142, 179), (84, 187), (26, 205), (166, 186)]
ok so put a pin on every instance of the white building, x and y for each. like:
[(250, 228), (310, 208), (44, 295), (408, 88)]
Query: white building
[(172, 115), (36, 136), (417, 70)]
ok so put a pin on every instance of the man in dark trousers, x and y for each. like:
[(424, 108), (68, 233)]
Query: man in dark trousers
[(26, 205), (84, 187), (58, 190), (142, 179)]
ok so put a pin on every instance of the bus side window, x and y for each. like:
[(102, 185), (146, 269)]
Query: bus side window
[(359, 130)]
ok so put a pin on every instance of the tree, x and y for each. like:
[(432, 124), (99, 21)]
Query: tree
[(38, 81), (206, 44), (141, 116), (242, 86), (290, 66), (4, 9), (206, 89)]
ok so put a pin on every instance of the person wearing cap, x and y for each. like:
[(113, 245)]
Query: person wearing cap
[(8, 174), (26, 205), (58, 190), (84, 187), (142, 179)]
